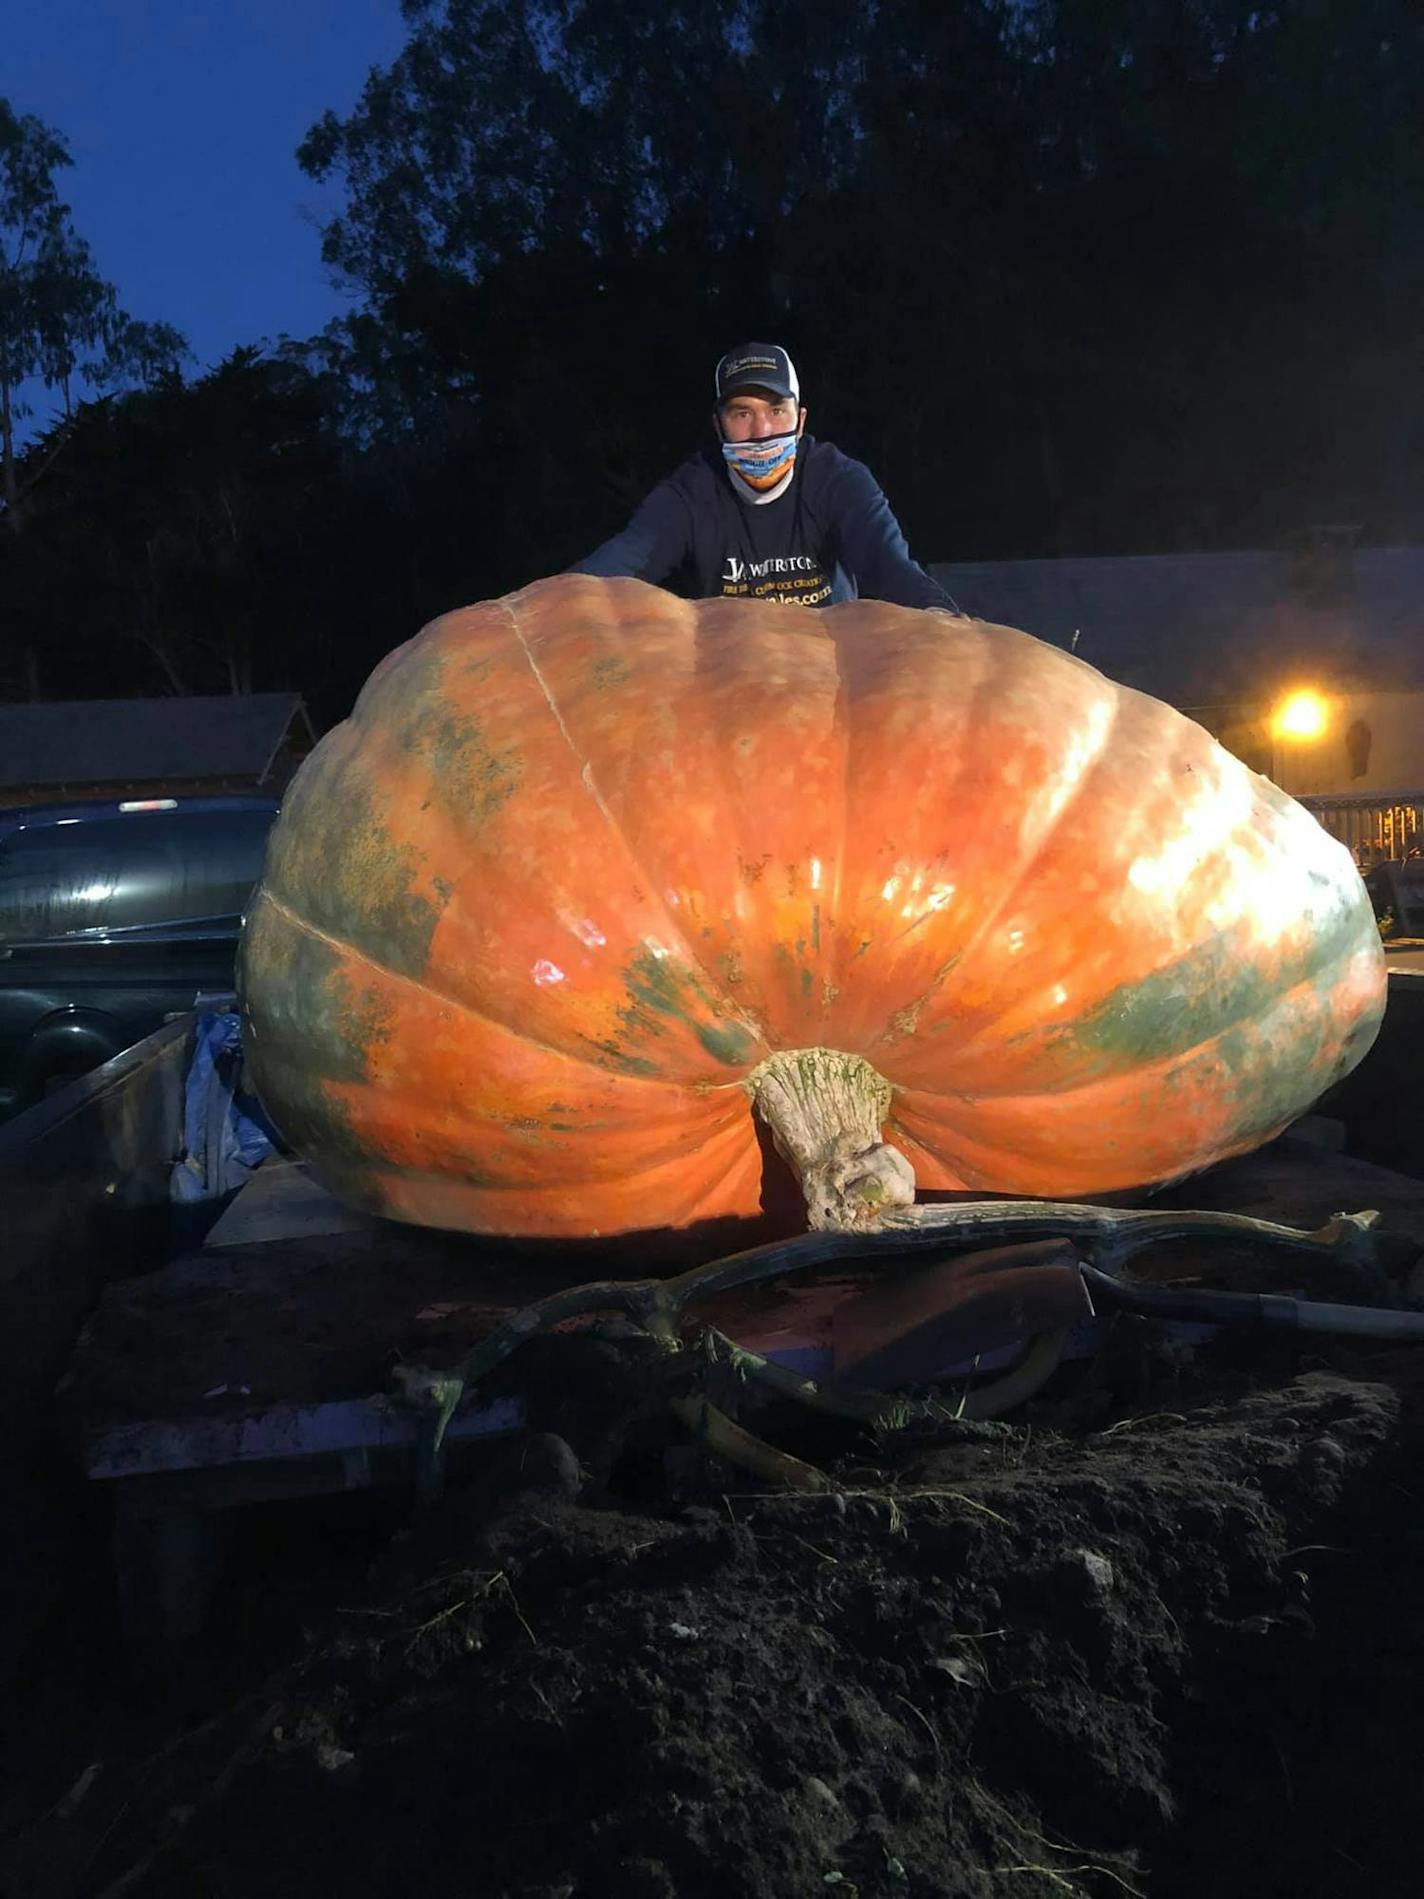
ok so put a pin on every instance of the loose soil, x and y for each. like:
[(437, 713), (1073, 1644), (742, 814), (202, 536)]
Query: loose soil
[(1162, 1634)]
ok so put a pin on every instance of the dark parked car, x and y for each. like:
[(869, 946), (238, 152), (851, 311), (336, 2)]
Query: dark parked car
[(113, 917)]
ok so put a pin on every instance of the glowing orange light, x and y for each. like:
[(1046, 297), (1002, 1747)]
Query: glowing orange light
[(1301, 715)]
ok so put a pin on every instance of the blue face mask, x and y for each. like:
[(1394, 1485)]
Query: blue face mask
[(762, 464)]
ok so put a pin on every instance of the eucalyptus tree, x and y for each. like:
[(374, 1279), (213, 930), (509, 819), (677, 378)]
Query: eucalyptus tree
[(59, 317)]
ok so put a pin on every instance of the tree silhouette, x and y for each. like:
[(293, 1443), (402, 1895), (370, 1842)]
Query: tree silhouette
[(54, 305), (1081, 275), (1073, 276)]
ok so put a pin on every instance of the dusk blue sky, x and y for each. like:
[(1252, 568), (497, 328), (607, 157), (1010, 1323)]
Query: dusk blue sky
[(183, 117)]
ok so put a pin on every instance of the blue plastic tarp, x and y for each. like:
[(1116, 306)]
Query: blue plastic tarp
[(224, 1134)]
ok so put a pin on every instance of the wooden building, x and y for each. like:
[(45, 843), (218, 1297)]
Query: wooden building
[(67, 750), (1231, 638)]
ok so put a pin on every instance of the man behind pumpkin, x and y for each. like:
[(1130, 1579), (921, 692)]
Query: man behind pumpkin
[(767, 512)]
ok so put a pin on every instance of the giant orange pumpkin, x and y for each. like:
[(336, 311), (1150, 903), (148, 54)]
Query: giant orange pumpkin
[(593, 876)]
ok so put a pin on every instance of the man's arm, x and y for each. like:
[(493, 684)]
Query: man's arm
[(650, 547), (873, 549)]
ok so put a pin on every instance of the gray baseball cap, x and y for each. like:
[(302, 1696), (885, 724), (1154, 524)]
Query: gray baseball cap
[(757, 366)]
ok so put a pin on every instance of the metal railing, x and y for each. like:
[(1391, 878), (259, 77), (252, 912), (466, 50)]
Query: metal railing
[(1385, 827)]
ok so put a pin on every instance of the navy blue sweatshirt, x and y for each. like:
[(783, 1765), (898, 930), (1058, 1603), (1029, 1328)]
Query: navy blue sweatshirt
[(829, 537)]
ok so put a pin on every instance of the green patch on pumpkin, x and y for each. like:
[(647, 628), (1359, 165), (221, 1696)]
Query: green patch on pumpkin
[(333, 861), (1204, 994), (300, 993), (1220, 997), (475, 774), (616, 1057), (310, 1023), (611, 670), (660, 987)]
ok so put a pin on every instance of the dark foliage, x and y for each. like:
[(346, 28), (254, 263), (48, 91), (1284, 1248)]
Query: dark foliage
[(1087, 276)]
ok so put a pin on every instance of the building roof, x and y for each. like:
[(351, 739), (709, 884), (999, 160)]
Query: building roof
[(133, 741), (1211, 629)]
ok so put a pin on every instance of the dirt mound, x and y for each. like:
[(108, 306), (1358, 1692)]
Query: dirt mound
[(1165, 1650)]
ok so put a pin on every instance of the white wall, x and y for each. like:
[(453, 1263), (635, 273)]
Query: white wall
[(1393, 759), (1392, 753)]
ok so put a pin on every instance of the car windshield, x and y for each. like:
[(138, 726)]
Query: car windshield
[(124, 872)]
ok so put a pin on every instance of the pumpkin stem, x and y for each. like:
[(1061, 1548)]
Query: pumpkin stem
[(825, 1110)]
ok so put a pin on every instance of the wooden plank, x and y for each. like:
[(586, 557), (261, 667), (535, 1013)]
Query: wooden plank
[(280, 1433), (284, 1480), (300, 1322), (283, 1201)]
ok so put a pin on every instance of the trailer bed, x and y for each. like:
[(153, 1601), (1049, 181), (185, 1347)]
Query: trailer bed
[(259, 1365)]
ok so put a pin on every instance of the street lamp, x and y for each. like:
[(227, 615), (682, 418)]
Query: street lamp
[(1300, 715)]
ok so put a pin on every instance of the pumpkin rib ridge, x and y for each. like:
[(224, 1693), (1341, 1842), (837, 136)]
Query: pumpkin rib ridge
[(1021, 872), (715, 990), (743, 1157), (845, 698), (983, 679), (836, 948), (748, 1161), (1304, 977), (1138, 1069), (930, 1167), (689, 613), (465, 1008), (719, 754), (730, 1134)]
